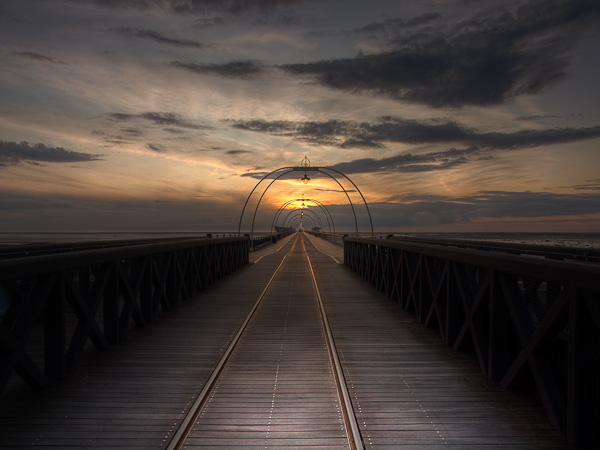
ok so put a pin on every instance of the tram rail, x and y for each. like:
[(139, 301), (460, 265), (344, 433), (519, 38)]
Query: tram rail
[(351, 428)]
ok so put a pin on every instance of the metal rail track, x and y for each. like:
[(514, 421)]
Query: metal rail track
[(352, 429)]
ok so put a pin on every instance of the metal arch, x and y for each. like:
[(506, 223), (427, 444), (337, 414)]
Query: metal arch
[(317, 169), (303, 210), (252, 192), (261, 197), (304, 213), (305, 222), (326, 212), (306, 168), (308, 219), (362, 196), (288, 170), (301, 216), (281, 208)]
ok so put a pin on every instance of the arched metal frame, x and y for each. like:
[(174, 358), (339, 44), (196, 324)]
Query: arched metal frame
[(326, 212), (306, 168), (357, 190), (304, 210), (308, 219)]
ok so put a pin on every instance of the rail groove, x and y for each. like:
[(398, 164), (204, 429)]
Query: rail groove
[(354, 436), (351, 428)]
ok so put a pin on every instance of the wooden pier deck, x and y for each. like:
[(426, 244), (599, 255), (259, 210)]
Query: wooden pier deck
[(408, 390)]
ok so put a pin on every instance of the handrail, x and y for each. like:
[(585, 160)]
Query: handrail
[(102, 291), (585, 275), (546, 251), (527, 319)]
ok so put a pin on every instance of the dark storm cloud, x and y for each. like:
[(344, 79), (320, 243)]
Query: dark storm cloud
[(158, 118), (484, 205), (158, 37), (233, 69), (481, 61), (405, 163), (332, 132), (347, 134), (38, 57), (199, 6), (412, 163), (12, 153)]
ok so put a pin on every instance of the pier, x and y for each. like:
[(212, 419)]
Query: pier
[(302, 344)]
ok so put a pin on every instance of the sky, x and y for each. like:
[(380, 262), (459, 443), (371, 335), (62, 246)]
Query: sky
[(447, 115)]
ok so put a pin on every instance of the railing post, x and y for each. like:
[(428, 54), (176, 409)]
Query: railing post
[(500, 331), (111, 305), (54, 331), (583, 415)]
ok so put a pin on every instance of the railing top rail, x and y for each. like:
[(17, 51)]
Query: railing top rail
[(586, 275), (27, 267), (549, 251), (46, 248)]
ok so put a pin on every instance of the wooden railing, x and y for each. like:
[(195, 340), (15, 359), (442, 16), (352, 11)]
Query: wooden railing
[(532, 322), (259, 241), (334, 238), (50, 305)]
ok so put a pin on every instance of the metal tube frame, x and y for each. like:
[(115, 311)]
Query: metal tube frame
[(305, 169), (317, 202)]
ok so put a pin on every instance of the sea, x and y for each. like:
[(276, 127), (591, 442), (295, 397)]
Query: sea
[(60, 237), (581, 240)]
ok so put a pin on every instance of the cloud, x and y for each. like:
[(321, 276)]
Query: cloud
[(233, 69), (158, 118), (209, 22), (156, 148), (481, 61), (158, 37), (591, 185), (427, 162), (48, 212), (483, 205), (12, 153), (392, 25), (351, 134), (132, 132), (278, 20), (405, 163), (237, 152), (38, 57), (199, 6)]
